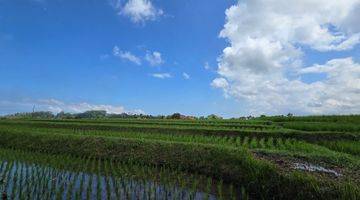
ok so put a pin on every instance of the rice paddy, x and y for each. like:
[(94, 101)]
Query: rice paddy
[(261, 158)]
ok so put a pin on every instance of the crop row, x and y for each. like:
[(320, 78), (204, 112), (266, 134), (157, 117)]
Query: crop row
[(351, 147), (321, 126), (233, 165), (164, 121), (284, 145), (234, 141), (78, 127), (327, 118), (296, 147), (31, 181), (144, 125), (195, 123)]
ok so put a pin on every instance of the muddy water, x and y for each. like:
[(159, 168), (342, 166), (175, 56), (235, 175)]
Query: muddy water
[(315, 168)]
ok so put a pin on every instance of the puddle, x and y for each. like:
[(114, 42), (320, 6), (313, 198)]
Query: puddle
[(315, 168)]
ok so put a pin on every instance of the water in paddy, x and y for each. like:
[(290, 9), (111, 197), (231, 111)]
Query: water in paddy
[(94, 179)]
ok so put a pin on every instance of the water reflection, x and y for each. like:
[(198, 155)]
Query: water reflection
[(21, 180)]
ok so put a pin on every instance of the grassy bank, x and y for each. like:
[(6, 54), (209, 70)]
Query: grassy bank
[(233, 165)]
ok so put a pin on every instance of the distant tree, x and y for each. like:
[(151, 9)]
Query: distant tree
[(213, 117), (63, 115), (92, 114), (33, 115), (290, 115), (42, 115), (175, 116)]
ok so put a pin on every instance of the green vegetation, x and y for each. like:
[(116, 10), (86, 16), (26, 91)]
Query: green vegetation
[(350, 147), (225, 159), (40, 176)]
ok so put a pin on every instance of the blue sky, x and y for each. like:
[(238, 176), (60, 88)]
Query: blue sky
[(59, 55)]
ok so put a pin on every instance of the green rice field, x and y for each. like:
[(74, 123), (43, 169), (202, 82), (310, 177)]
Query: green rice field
[(315, 157)]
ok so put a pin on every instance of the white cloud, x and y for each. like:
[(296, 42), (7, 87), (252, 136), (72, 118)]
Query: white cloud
[(322, 24), (161, 75), (154, 58), (126, 55), (220, 83), (186, 76), (139, 11), (263, 62), (339, 92), (56, 106)]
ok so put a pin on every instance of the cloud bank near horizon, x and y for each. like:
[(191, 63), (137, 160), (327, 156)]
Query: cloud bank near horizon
[(56, 106)]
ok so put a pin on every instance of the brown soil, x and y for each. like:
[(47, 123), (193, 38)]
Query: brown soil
[(286, 164)]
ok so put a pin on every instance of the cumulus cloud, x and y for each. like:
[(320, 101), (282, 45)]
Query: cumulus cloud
[(186, 75), (154, 58), (322, 25), (126, 55), (339, 92), (56, 106), (161, 75), (263, 62), (139, 11)]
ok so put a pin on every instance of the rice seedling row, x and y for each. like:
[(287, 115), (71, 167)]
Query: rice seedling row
[(122, 181)]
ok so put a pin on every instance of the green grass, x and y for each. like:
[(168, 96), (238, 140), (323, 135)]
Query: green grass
[(322, 126), (138, 126), (196, 130), (291, 146), (226, 141), (350, 147), (224, 151), (319, 118), (207, 123)]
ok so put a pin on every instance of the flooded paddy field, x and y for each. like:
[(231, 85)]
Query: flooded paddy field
[(64, 178)]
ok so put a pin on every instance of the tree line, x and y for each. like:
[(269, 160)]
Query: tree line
[(100, 114)]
